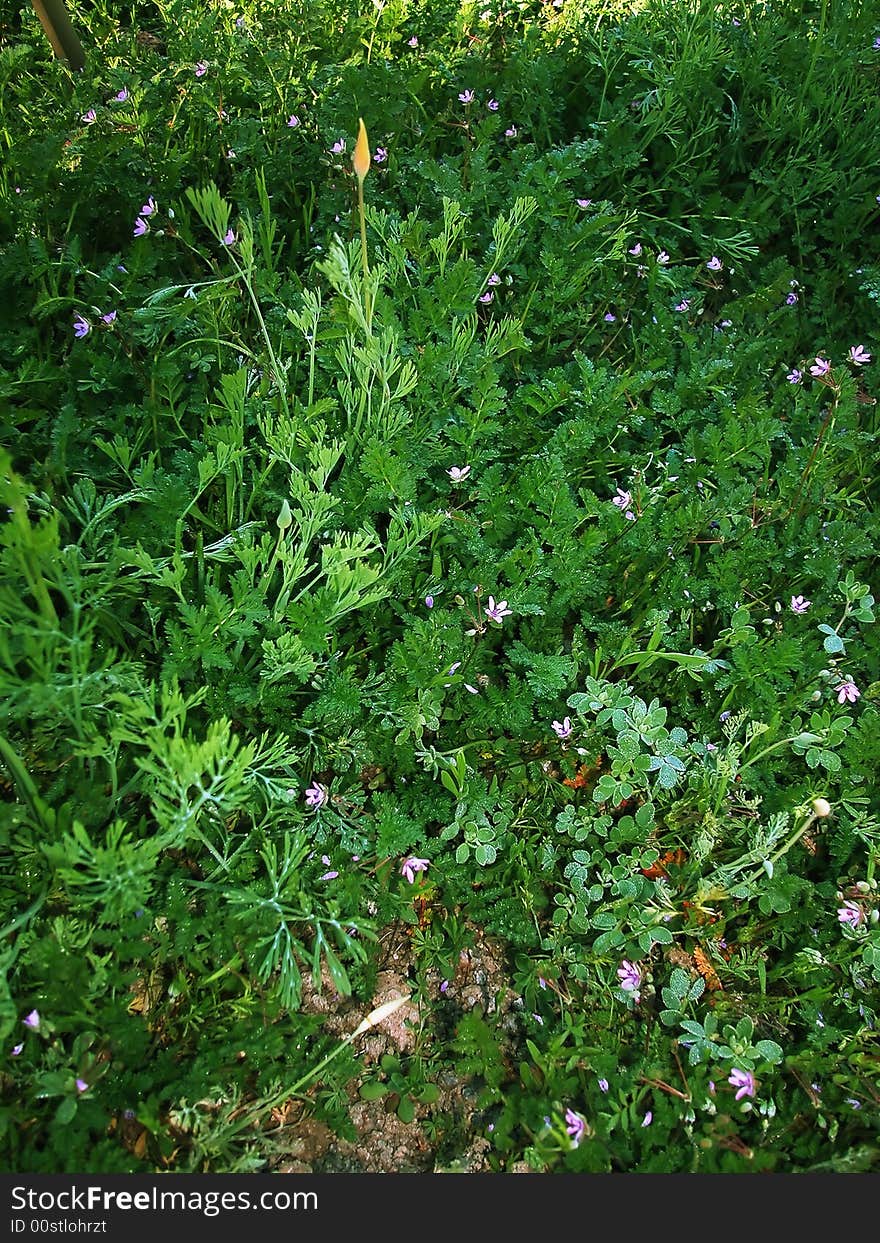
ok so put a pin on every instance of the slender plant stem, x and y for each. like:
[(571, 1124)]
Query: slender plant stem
[(784, 848), (276, 370), (826, 422), (367, 308)]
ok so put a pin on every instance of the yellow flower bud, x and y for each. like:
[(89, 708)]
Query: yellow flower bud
[(361, 157)]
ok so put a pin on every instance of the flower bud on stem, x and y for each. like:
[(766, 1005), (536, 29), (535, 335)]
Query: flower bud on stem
[(361, 163)]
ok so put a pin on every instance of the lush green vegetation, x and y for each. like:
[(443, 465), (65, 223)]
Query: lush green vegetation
[(508, 583)]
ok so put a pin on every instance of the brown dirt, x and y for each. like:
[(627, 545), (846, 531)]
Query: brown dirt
[(384, 1143)]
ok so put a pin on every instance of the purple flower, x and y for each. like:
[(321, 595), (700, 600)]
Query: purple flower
[(876, 44), (338, 147), (17, 1048), (316, 795), (563, 728), (486, 297), (795, 376), (201, 68), (141, 227), (663, 257), (492, 105), (630, 978), (609, 318), (108, 318), (497, 611), (603, 1085), (848, 692), (821, 367), (413, 42), (228, 238), (410, 866), (429, 602), (791, 299), (381, 155), (714, 264), (858, 354), (467, 97), (743, 1081), (583, 203), (636, 250), (292, 121), (542, 983), (32, 1020), (851, 913), (458, 474), (799, 604), (648, 1119), (622, 500), (149, 208), (81, 327), (683, 305), (121, 96), (575, 1126), (329, 876), (444, 986), (89, 118), (494, 279), (510, 132), (81, 1085)]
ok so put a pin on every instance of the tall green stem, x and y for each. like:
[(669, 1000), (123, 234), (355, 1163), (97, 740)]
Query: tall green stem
[(367, 308), (276, 370)]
